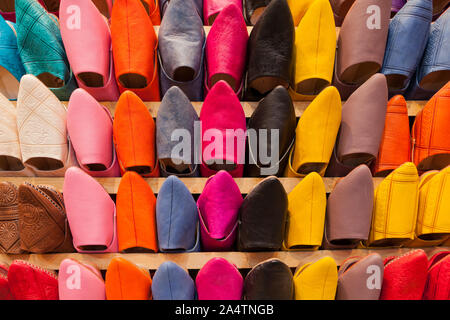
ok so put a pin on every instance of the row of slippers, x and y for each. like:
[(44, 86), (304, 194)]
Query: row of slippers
[(41, 138), (407, 277), (402, 211), (130, 56)]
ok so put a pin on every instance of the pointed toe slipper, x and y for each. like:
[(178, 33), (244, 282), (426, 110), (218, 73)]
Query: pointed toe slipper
[(93, 68), (437, 286), (313, 60), (218, 209), (274, 112), (126, 281), (136, 220), (340, 9), (134, 136), (152, 8), (41, 48), (270, 51), (5, 291), (356, 58), (177, 218), (212, 8), (360, 278), (176, 114), (319, 123), (79, 281), (223, 121), (350, 200), (90, 127), (198, 5), (219, 280), (306, 214), (269, 280), (262, 217), (91, 213), (253, 9), (316, 280), (181, 50), (226, 49), (9, 219), (134, 44), (172, 282), (11, 68)]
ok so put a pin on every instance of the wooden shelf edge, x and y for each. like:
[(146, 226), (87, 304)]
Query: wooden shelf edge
[(195, 261), (195, 185)]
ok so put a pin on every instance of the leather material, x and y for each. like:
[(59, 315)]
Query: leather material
[(226, 49), (9, 219), (299, 9), (164, 3), (262, 217), (136, 215), (79, 281), (171, 282), (28, 282), (395, 146), (397, 5), (316, 135), (90, 127), (434, 70), (405, 276), (93, 68), (152, 8), (43, 225), (360, 278), (357, 59), (212, 8), (41, 48), (306, 214), (340, 9), (361, 129), (270, 50), (314, 51), (219, 280), (126, 281), (10, 60), (395, 207), (269, 280), (134, 44), (430, 134), (437, 286), (91, 213), (274, 112), (41, 118), (408, 33), (177, 218), (223, 118), (250, 6), (218, 208), (350, 200), (7, 10), (176, 113), (316, 281), (5, 292), (181, 48), (134, 136)]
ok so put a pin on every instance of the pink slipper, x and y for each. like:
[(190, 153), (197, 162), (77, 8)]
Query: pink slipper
[(222, 119), (79, 281), (91, 213), (212, 8), (87, 39), (90, 128)]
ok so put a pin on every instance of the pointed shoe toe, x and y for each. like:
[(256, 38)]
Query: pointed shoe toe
[(172, 282)]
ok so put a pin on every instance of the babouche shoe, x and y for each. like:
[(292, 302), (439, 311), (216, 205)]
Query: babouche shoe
[(340, 9), (219, 280), (5, 291), (9, 219), (212, 9), (298, 9), (91, 213), (80, 281), (135, 49), (93, 68), (152, 8), (253, 9), (172, 282), (198, 5), (437, 286), (181, 49), (316, 280)]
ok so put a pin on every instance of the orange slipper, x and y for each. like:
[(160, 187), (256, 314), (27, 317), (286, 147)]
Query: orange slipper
[(135, 45), (395, 147), (126, 281), (134, 136), (136, 215), (152, 7)]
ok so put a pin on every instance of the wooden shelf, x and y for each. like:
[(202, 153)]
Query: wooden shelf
[(413, 107), (195, 185), (194, 261)]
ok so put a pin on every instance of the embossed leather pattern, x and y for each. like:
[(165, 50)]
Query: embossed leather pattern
[(9, 219)]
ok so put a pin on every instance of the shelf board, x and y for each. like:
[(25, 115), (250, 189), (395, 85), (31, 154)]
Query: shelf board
[(413, 107), (195, 185), (195, 261)]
